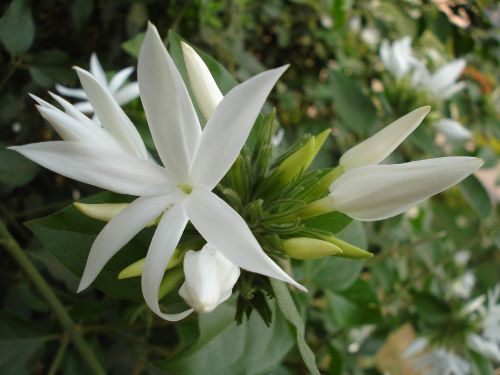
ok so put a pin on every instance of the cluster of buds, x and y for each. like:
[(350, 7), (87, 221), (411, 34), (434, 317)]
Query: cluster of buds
[(248, 211)]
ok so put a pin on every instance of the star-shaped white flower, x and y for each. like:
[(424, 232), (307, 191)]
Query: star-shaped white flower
[(122, 92), (181, 191)]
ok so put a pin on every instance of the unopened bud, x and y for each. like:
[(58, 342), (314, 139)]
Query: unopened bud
[(105, 211), (135, 269), (348, 250), (309, 248)]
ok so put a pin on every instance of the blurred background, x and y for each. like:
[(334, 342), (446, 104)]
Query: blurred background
[(432, 281)]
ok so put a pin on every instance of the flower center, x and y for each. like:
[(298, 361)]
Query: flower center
[(185, 188)]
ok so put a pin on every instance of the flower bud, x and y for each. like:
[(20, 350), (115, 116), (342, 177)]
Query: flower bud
[(377, 192), (376, 148), (104, 211), (135, 269), (309, 248), (204, 87), (348, 250), (209, 279)]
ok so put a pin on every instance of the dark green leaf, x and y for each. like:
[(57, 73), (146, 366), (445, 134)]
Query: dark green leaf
[(476, 195), (227, 348), (355, 108), (15, 170), (289, 310), (17, 29)]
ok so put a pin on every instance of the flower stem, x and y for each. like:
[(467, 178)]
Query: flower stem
[(13, 248)]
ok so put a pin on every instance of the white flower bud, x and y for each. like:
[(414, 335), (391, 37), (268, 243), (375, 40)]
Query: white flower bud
[(376, 148), (209, 279), (377, 192), (204, 87)]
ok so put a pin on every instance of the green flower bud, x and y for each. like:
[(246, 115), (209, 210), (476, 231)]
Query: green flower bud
[(171, 280), (104, 211), (135, 269), (309, 248), (348, 250)]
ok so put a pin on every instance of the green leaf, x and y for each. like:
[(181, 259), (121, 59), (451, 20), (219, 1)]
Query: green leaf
[(355, 109), (354, 306), (15, 169), (224, 347), (68, 235), (17, 29), (332, 222), (480, 364), (21, 344), (289, 310), (133, 45), (476, 195)]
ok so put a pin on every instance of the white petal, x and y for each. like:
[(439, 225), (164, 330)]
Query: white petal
[(162, 247), (453, 129), (111, 116), (204, 87), (229, 126), (84, 107), (451, 90), (376, 192), (73, 130), (446, 75), (71, 110), (97, 70), (171, 116), (99, 166), (42, 102), (119, 78), (72, 93), (127, 93), (119, 231), (376, 148), (222, 227)]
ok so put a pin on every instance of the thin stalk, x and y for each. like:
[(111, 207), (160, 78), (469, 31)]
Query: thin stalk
[(13, 248), (56, 363)]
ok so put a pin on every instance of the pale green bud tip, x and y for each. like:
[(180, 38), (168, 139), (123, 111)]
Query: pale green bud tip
[(135, 269), (348, 250), (101, 211), (309, 248), (171, 280)]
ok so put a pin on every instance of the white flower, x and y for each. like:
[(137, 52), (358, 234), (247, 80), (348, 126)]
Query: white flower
[(123, 93), (441, 84), (194, 162), (462, 287), (210, 278), (461, 258), (370, 36), (204, 87), (377, 192), (453, 130), (485, 346), (491, 322), (398, 57)]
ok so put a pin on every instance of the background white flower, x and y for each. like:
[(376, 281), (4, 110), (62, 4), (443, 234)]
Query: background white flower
[(122, 92)]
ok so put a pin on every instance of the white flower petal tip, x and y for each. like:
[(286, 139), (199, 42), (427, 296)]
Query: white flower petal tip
[(204, 87), (453, 130), (376, 148), (209, 279), (377, 192)]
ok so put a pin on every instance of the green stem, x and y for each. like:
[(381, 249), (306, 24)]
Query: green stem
[(45, 290), (56, 363)]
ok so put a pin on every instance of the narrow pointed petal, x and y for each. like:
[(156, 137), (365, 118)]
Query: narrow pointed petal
[(72, 111), (446, 75), (204, 87), (72, 130), (222, 227), (376, 148), (111, 116), (118, 232), (229, 126), (119, 78), (127, 93), (451, 90), (42, 102), (377, 192), (99, 166), (162, 247), (84, 107), (72, 93), (97, 70), (171, 116)]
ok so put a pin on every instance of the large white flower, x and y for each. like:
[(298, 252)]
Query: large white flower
[(181, 191), (122, 92), (398, 57)]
